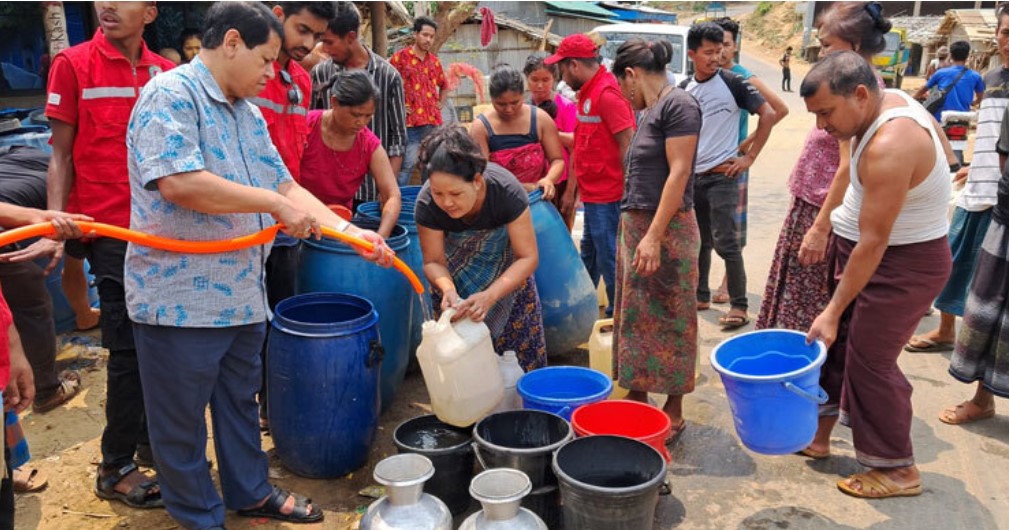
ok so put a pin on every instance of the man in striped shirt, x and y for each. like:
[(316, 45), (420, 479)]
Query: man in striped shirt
[(346, 52), (973, 209)]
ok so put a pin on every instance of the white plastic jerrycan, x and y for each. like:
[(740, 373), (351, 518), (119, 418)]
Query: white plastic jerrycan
[(511, 372), (601, 353), (460, 369)]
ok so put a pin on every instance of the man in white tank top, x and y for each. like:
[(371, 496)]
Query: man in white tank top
[(888, 257)]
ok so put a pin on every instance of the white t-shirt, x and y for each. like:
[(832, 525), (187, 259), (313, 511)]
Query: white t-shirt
[(722, 98)]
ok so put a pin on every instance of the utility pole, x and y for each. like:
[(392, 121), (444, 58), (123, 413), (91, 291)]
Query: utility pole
[(379, 39), (807, 24), (917, 8)]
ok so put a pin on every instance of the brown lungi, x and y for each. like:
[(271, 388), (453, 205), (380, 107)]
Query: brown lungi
[(861, 375)]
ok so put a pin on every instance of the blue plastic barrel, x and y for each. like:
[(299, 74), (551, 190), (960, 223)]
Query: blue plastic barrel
[(772, 378), (562, 389), (329, 266), (63, 315), (570, 305), (413, 256), (323, 359)]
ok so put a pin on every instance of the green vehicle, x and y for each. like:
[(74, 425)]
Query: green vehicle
[(892, 61)]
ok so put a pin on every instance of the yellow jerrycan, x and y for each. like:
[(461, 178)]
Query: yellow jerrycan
[(601, 353)]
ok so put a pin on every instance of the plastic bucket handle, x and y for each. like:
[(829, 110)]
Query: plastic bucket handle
[(819, 398)]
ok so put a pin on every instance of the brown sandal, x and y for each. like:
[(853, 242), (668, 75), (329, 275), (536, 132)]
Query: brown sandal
[(875, 485), (959, 415), (70, 386)]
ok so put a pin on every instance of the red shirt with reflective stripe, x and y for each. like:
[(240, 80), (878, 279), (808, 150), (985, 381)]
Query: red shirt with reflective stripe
[(602, 113), (285, 119), (94, 87)]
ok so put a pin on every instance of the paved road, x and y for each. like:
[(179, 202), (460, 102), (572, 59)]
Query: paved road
[(718, 484)]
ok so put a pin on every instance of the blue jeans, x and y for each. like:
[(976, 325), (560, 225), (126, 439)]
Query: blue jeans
[(183, 370), (414, 135), (599, 245)]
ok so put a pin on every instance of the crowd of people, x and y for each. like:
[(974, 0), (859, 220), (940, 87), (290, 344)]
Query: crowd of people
[(241, 137)]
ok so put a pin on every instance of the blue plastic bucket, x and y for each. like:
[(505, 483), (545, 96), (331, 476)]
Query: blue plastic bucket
[(324, 359), (772, 379), (562, 389)]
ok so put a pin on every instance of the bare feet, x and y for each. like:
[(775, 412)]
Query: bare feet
[(89, 319)]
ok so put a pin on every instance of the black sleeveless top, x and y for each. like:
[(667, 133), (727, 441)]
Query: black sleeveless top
[(500, 142)]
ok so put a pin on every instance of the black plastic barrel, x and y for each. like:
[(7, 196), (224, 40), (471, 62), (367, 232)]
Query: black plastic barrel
[(449, 448), (609, 483)]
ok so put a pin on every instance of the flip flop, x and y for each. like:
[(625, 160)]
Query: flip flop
[(675, 433), (876, 485), (953, 416), (814, 454), (720, 297), (930, 346), (29, 481), (730, 323)]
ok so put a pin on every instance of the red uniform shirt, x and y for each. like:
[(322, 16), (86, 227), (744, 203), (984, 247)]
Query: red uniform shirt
[(6, 319), (284, 106), (94, 87), (602, 113), (423, 79)]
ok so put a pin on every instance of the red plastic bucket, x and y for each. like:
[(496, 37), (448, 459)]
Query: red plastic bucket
[(621, 417)]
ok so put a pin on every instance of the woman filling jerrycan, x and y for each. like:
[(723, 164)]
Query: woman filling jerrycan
[(460, 369)]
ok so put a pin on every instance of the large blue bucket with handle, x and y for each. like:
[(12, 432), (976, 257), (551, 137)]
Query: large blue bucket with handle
[(562, 389), (772, 378)]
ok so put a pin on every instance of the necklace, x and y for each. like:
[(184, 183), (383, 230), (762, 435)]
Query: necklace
[(644, 115)]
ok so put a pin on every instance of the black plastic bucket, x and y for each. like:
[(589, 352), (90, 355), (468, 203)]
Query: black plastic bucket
[(609, 483), (449, 449), (524, 440)]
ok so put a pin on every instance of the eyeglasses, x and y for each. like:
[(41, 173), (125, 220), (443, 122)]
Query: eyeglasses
[(294, 95)]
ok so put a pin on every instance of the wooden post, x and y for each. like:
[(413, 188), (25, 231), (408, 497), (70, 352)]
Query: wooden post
[(917, 8), (546, 32), (55, 22), (379, 39)]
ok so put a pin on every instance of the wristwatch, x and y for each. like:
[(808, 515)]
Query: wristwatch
[(954, 167)]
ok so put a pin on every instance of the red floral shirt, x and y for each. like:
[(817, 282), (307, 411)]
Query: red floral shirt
[(423, 80)]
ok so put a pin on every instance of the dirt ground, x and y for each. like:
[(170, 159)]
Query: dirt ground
[(65, 444)]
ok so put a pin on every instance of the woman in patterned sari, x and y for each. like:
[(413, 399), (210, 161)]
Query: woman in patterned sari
[(479, 246), (655, 318)]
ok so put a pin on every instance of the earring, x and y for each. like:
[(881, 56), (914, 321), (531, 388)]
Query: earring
[(633, 93)]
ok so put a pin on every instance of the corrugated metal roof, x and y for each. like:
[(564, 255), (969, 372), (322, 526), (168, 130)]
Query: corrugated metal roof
[(920, 30), (582, 8)]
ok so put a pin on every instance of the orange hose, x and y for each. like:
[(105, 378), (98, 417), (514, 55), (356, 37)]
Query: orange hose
[(196, 247)]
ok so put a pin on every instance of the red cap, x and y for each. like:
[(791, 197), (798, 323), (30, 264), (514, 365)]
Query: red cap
[(577, 46)]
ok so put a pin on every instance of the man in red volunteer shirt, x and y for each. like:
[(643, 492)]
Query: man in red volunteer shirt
[(284, 104), (604, 131), (92, 89)]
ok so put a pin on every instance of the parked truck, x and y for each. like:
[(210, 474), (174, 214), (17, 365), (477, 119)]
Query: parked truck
[(892, 61)]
